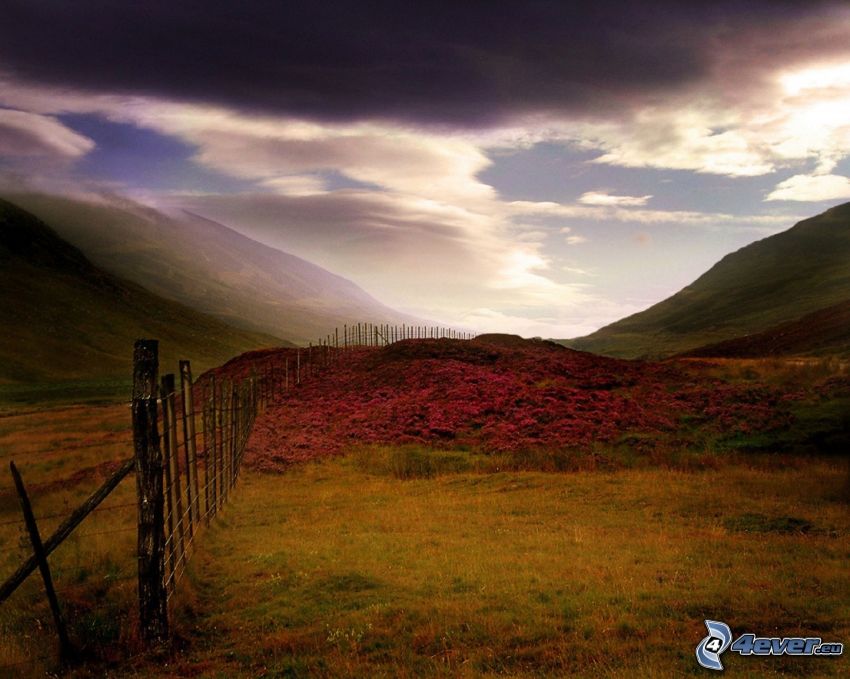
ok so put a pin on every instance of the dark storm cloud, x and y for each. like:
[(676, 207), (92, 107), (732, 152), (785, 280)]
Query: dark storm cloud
[(454, 62)]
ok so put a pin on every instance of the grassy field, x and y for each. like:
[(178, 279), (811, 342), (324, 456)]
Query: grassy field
[(413, 562), (63, 454), (341, 568)]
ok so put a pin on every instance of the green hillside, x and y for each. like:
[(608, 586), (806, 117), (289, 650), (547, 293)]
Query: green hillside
[(69, 327), (769, 282)]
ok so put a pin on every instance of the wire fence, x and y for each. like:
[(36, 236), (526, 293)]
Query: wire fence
[(189, 441)]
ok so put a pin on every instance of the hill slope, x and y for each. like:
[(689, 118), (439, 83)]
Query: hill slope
[(66, 319), (211, 267), (771, 281), (499, 394), (826, 331)]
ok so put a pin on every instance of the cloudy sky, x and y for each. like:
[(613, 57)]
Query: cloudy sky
[(534, 167)]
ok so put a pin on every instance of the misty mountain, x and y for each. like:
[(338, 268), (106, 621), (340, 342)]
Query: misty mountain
[(66, 319), (767, 283), (210, 267)]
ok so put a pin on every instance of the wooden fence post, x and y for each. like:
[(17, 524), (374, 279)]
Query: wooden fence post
[(189, 443), (224, 423), (153, 612), (214, 437), (205, 410), (234, 429), (170, 512), (65, 648), (172, 463)]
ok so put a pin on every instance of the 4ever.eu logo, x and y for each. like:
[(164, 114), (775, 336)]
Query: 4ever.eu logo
[(719, 640)]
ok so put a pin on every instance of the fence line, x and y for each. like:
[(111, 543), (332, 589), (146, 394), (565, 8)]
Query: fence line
[(180, 436)]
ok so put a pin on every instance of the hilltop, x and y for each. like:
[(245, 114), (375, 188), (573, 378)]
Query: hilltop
[(499, 394), (772, 281)]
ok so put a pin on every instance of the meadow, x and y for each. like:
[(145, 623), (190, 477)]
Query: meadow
[(453, 560), (360, 567)]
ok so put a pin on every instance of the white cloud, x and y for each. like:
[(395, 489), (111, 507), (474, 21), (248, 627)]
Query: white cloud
[(576, 270), (296, 185), (603, 198), (803, 187), (575, 240), (615, 213), (580, 315), (32, 135)]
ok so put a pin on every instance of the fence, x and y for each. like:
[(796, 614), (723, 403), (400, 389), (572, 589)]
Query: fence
[(189, 442)]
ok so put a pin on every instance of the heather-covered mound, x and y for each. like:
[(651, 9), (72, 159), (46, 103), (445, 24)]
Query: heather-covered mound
[(495, 394)]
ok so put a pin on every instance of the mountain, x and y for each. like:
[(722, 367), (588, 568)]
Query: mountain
[(65, 319), (211, 267), (772, 281), (822, 332)]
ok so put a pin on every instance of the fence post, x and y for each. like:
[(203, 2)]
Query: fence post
[(205, 410), (153, 612), (172, 463), (234, 429), (225, 442), (214, 437), (170, 513), (188, 405), (65, 648)]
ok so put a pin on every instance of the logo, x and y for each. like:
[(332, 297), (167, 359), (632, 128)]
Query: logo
[(719, 639)]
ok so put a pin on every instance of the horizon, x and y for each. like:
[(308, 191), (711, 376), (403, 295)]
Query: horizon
[(543, 172)]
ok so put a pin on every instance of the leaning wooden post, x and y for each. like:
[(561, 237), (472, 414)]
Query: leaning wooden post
[(65, 649), (153, 612), (189, 447)]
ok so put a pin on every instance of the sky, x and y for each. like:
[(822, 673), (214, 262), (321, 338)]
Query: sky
[(543, 168)]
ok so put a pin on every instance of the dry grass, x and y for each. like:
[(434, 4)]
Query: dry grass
[(64, 454), (332, 571)]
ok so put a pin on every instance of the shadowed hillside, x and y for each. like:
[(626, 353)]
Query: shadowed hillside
[(772, 281), (66, 319), (823, 332)]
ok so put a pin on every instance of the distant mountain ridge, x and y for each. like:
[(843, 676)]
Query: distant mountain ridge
[(211, 267), (776, 280), (66, 319)]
